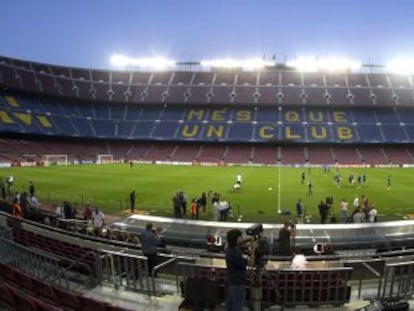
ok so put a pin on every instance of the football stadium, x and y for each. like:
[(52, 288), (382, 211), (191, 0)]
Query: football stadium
[(236, 148)]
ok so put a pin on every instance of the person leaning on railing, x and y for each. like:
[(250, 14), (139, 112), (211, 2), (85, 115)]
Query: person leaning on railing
[(150, 240)]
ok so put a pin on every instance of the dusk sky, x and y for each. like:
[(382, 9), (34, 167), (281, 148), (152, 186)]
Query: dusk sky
[(86, 33)]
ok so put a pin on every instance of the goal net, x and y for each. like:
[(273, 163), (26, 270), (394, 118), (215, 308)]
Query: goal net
[(104, 158), (55, 159)]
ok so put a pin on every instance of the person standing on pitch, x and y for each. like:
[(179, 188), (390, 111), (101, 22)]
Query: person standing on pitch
[(132, 201), (31, 189), (299, 211)]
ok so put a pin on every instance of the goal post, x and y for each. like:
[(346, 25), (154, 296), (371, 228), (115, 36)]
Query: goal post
[(55, 159), (104, 158)]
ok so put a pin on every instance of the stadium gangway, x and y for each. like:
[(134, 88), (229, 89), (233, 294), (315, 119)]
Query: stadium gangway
[(158, 267), (366, 269), (35, 262), (397, 281), (121, 269)]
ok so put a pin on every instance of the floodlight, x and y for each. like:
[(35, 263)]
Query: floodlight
[(332, 64), (250, 63), (404, 66), (119, 61), (256, 63), (335, 64), (157, 63), (223, 63), (304, 63)]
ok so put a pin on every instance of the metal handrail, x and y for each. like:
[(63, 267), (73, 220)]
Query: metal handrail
[(117, 258), (79, 262), (155, 270)]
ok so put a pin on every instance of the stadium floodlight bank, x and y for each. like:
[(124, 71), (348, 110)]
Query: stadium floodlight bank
[(55, 159)]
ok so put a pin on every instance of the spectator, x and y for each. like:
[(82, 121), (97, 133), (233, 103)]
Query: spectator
[(184, 200), (177, 205), (323, 211), (98, 221), (67, 210), (31, 189), (344, 210), (194, 209), (134, 239), (17, 210), (9, 181), (299, 261), (372, 214), (359, 216), (224, 208), (202, 202), (150, 241), (25, 205), (356, 202), (59, 212), (34, 202), (216, 211), (87, 213)]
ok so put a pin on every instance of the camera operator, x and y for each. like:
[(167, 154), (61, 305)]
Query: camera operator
[(287, 232), (237, 269)]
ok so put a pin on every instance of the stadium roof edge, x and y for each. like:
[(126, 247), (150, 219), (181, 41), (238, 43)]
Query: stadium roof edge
[(196, 66)]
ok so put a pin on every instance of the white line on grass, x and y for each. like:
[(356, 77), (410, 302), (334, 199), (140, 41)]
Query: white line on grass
[(278, 192)]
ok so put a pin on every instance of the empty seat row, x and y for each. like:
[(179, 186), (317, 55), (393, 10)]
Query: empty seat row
[(287, 287), (26, 293)]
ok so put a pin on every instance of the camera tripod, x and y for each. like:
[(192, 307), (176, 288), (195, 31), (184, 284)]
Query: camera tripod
[(257, 273)]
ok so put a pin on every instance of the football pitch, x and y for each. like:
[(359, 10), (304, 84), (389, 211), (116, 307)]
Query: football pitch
[(264, 194)]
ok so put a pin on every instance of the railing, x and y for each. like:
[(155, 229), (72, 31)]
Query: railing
[(94, 276), (124, 270), (157, 268), (398, 281), (366, 269), (34, 262), (193, 233)]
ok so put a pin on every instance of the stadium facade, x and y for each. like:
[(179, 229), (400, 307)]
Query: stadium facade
[(263, 117), (266, 117)]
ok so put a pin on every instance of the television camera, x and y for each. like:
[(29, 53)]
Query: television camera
[(255, 230), (261, 246)]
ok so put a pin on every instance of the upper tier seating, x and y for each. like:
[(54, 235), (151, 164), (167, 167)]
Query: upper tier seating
[(268, 87)]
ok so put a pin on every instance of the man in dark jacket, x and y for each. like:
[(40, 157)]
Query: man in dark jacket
[(236, 270), (150, 241)]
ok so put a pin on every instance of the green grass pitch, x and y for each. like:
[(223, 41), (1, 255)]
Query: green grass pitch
[(265, 190)]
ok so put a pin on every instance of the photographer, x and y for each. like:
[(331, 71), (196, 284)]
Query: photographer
[(287, 232), (150, 240), (237, 269)]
